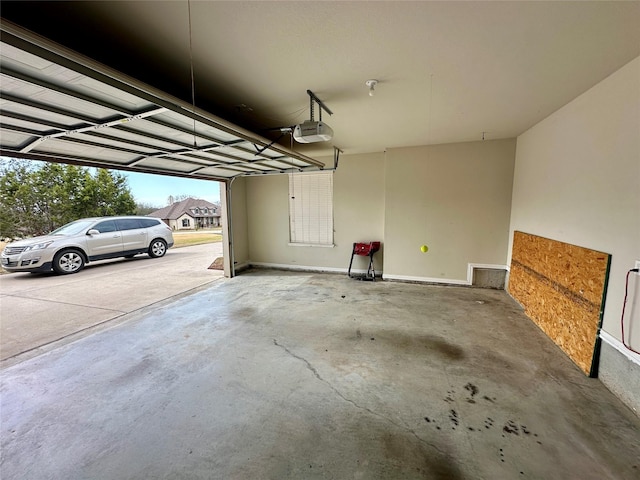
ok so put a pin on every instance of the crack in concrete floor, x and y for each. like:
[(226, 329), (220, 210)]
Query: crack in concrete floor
[(313, 370)]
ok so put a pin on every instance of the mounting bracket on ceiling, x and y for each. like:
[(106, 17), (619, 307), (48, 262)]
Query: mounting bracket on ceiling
[(336, 157), (313, 98)]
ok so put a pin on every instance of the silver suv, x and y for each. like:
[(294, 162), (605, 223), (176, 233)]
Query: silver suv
[(69, 248)]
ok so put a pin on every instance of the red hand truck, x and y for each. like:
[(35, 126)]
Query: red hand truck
[(365, 250)]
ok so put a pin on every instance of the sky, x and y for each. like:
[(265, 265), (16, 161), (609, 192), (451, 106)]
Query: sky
[(154, 190)]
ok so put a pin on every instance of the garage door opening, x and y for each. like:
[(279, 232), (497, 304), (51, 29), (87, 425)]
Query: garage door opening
[(191, 208), (39, 197), (62, 107), (40, 311)]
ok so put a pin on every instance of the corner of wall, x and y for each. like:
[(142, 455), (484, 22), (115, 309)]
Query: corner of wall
[(239, 221)]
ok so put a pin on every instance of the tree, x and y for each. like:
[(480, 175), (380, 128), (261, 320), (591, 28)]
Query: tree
[(37, 197), (171, 199), (15, 197), (145, 208)]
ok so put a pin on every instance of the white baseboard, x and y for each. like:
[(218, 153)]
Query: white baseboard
[(241, 266), (446, 281), (308, 268), (402, 278), (407, 278), (618, 345)]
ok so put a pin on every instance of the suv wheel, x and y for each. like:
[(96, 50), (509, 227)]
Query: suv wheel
[(68, 261), (157, 248)]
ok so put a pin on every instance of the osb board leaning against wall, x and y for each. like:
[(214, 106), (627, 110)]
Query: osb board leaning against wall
[(562, 289)]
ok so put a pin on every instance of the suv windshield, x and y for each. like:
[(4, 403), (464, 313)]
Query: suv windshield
[(73, 228)]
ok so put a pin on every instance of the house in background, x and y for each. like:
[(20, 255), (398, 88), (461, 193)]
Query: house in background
[(189, 214)]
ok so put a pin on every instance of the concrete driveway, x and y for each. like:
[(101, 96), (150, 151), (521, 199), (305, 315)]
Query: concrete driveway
[(38, 311)]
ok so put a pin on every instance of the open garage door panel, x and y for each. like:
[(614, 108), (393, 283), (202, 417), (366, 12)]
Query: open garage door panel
[(56, 105)]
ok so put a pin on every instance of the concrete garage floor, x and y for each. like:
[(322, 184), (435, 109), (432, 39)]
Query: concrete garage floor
[(275, 375)]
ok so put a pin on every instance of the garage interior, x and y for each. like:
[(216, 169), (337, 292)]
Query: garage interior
[(494, 128)]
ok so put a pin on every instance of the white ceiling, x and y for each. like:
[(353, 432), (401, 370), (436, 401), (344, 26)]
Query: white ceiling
[(448, 71)]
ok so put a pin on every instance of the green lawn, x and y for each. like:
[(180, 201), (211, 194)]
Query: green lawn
[(184, 239)]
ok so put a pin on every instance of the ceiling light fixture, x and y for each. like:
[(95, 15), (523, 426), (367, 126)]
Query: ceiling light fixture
[(372, 86)]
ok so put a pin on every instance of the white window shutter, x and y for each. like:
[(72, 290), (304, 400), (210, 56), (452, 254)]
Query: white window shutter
[(311, 208)]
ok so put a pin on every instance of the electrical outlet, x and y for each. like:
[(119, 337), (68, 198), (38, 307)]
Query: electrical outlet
[(637, 264)]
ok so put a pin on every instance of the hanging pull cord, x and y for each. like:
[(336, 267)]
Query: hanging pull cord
[(193, 83)]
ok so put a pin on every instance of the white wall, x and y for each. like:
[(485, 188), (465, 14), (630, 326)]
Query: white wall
[(358, 200), (239, 226), (577, 180), (455, 199)]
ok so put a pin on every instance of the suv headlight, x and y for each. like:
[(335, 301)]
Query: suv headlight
[(38, 246)]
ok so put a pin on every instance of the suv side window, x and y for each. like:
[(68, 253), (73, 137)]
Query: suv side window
[(128, 223), (149, 222), (106, 226)]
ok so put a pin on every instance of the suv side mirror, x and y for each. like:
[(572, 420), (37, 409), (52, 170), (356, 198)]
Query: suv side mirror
[(93, 231)]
